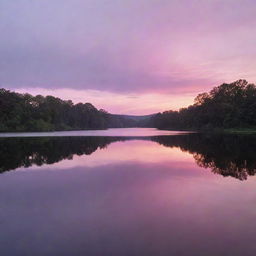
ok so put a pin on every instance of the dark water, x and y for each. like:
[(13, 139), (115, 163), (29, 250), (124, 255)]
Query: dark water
[(184, 194)]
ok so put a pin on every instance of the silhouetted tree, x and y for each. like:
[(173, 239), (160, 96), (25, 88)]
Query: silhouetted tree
[(226, 106), (24, 112)]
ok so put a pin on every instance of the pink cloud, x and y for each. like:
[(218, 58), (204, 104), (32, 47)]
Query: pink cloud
[(119, 103), (161, 48)]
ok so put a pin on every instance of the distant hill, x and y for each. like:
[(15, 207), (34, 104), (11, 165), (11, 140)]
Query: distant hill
[(135, 118), (134, 121), (119, 121)]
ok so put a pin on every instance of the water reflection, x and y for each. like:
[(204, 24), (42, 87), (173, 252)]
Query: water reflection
[(229, 155), (127, 196)]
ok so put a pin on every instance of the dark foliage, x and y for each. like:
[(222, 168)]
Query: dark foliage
[(226, 106), (24, 112)]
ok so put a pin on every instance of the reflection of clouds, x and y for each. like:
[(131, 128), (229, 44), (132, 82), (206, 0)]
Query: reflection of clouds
[(229, 155), (128, 151)]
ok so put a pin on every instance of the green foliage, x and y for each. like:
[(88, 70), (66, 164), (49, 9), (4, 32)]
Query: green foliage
[(23, 112), (226, 106)]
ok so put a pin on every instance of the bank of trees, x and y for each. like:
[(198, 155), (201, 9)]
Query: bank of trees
[(226, 106), (24, 112)]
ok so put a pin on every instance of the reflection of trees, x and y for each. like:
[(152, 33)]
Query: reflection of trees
[(24, 152), (237, 170), (229, 155)]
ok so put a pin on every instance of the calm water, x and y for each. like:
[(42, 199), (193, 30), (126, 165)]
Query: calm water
[(126, 132), (158, 194)]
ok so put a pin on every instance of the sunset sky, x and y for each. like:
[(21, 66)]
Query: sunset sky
[(126, 56)]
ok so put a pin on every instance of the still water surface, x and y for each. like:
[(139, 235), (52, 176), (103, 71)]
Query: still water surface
[(126, 132), (158, 194)]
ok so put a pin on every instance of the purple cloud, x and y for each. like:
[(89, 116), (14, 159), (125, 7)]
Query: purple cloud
[(126, 46)]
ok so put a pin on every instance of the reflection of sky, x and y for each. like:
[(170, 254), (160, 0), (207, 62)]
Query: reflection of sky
[(155, 201), (149, 55), (122, 132), (140, 151)]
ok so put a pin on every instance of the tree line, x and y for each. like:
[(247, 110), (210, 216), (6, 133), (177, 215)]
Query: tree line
[(226, 106), (230, 105), (24, 112)]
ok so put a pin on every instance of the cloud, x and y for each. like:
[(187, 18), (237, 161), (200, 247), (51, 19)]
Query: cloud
[(118, 103), (127, 46)]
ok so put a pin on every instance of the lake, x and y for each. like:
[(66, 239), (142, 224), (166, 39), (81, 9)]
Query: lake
[(127, 192)]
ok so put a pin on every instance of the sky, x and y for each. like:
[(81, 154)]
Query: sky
[(126, 56)]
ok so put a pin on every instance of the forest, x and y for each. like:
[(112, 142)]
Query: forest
[(224, 107), (24, 112)]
